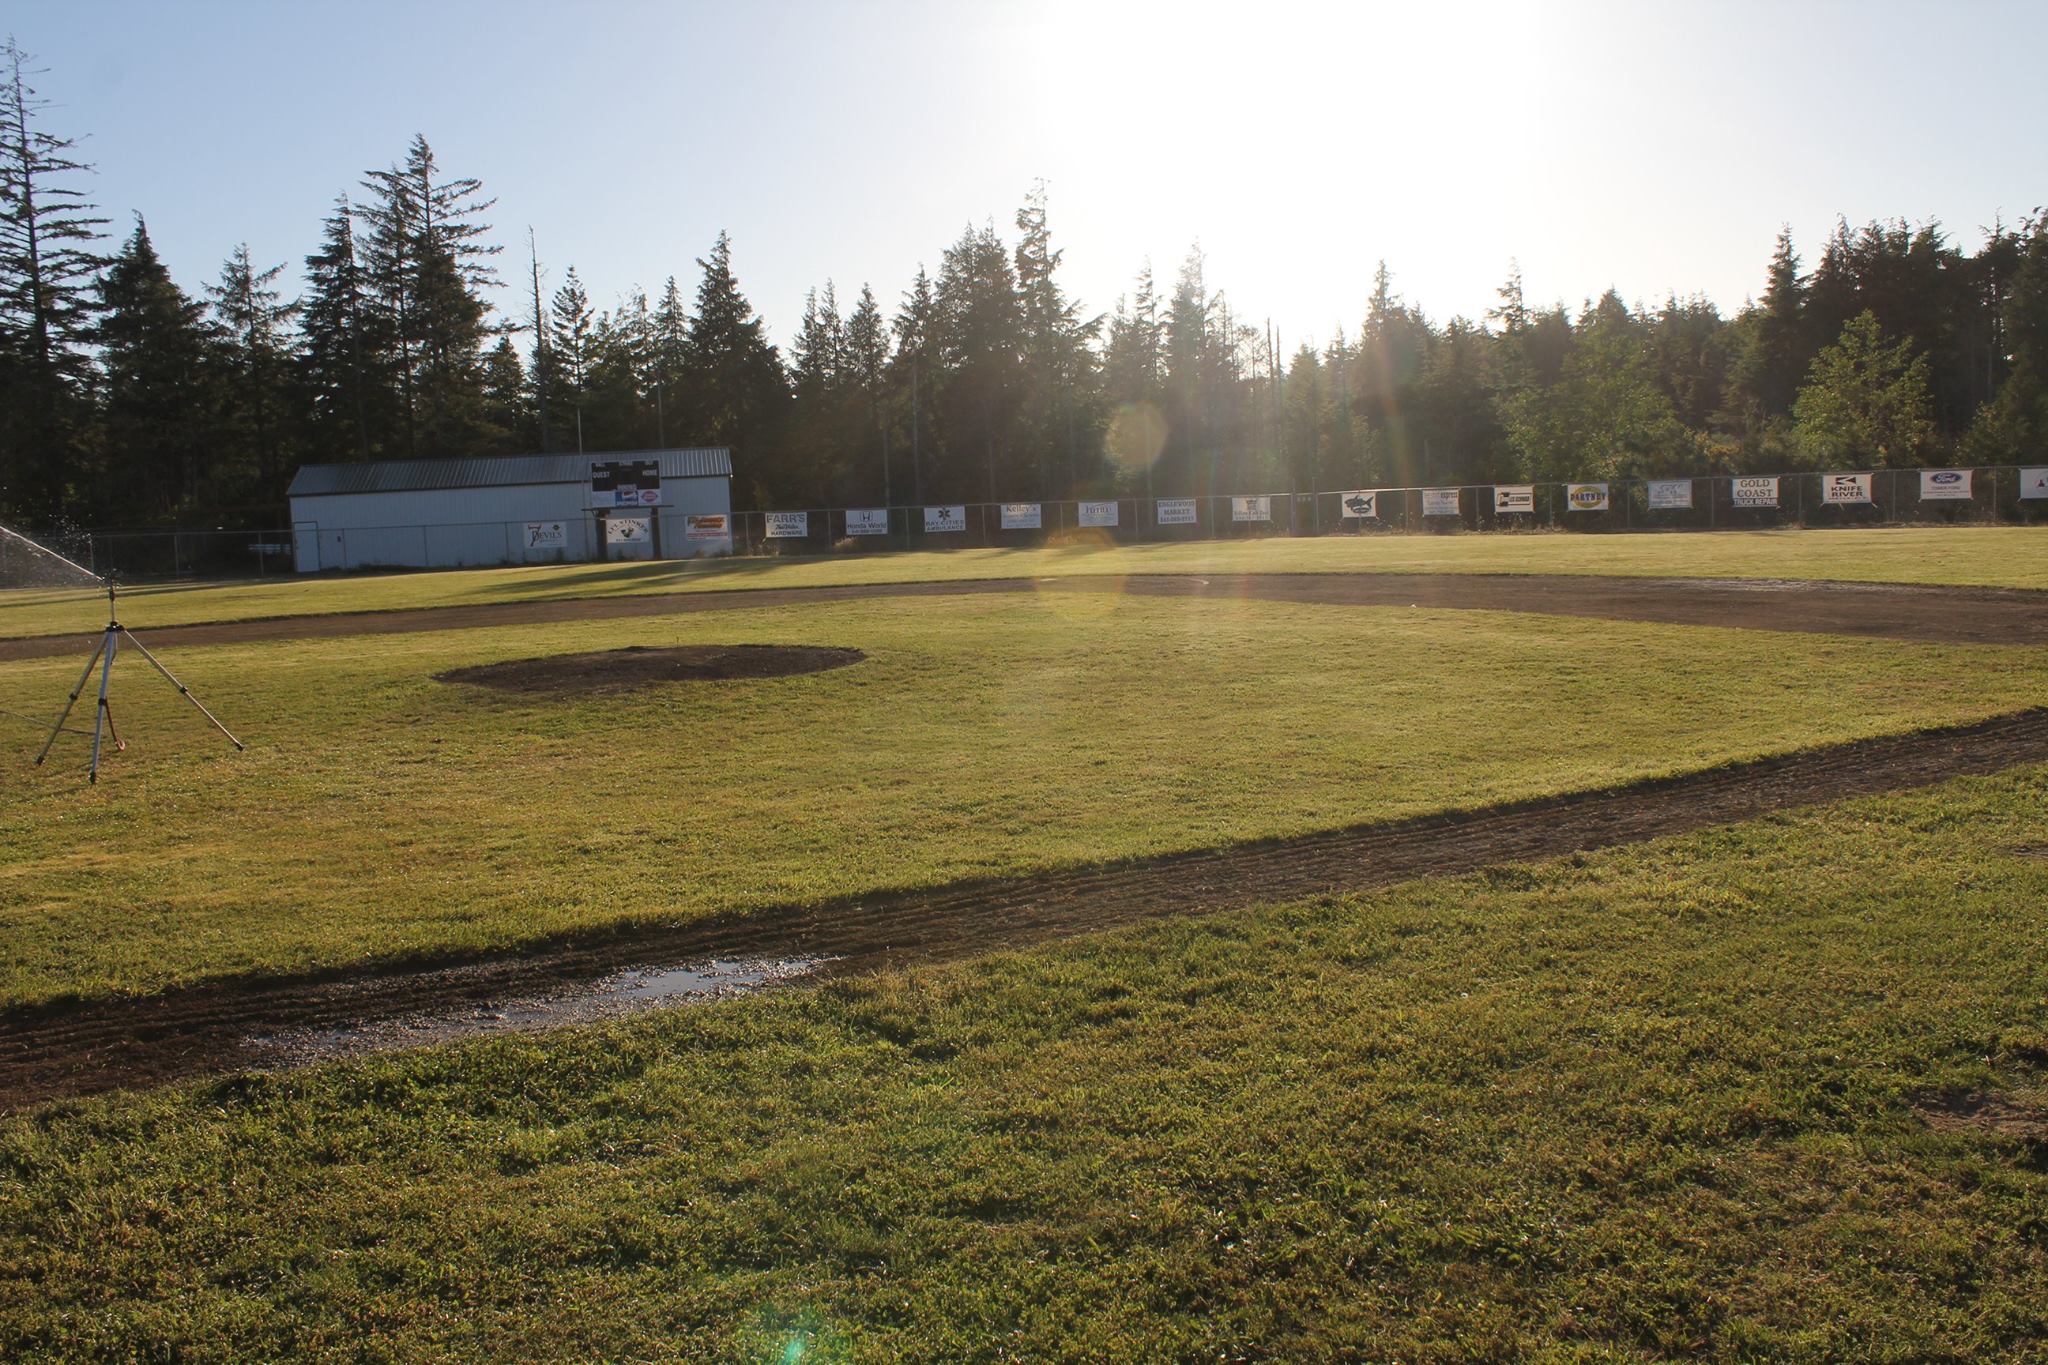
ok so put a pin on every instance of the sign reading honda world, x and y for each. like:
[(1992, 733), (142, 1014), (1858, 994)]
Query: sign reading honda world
[(2034, 483), (1174, 512), (941, 519), (1361, 504), (1670, 495), (625, 483), (1938, 485), (1098, 514), (786, 525), (1753, 491), (1845, 490), (1440, 502), (1514, 498), (1586, 497), (1251, 509), (1021, 516), (867, 521)]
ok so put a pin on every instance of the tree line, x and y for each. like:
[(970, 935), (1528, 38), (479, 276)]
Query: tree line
[(127, 399)]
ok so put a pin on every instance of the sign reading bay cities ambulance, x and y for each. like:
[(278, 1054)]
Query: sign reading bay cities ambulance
[(786, 525), (867, 521), (1362, 504), (1021, 516), (1098, 514), (1757, 490), (1670, 495), (1174, 512), (1251, 509), (2034, 483), (1586, 497), (709, 526), (952, 518), (547, 535), (1944, 484), (1514, 498), (1845, 490), (1440, 502)]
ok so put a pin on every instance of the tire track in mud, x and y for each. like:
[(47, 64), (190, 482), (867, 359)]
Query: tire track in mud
[(81, 1048)]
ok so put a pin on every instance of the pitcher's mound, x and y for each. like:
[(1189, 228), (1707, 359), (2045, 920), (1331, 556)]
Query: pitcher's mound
[(612, 669)]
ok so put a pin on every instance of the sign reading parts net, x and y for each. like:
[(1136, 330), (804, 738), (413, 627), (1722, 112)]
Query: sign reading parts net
[(1440, 502), (1098, 514), (1021, 516), (1586, 497), (1845, 490), (1174, 512), (942, 519), (625, 483), (1753, 491), (1360, 504), (547, 535), (1670, 495), (867, 521), (1944, 485), (1251, 509), (786, 525), (1516, 499), (2034, 483), (707, 527)]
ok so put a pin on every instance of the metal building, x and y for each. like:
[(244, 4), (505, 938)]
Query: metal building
[(516, 509)]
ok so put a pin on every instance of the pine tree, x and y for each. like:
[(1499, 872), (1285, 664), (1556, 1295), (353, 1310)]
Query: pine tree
[(739, 394), (1059, 407), (1866, 400), (913, 370), (569, 341), (867, 374), (508, 407), (162, 396), (668, 358), (348, 403), (254, 319), (979, 340)]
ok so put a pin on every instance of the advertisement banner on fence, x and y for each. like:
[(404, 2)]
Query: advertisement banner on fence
[(1251, 509), (1174, 512), (938, 519), (1098, 514), (1845, 490), (2034, 483), (1440, 502), (547, 535), (1940, 485), (1586, 497), (1360, 504), (1670, 495), (1753, 491), (712, 527), (867, 521), (1021, 516), (1514, 499), (786, 525), (625, 530)]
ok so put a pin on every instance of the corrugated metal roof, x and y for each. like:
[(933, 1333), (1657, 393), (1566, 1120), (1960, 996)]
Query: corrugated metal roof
[(412, 476)]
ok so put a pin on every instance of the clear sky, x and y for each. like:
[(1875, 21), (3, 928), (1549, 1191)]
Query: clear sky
[(1651, 147)]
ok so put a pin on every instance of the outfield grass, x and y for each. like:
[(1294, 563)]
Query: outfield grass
[(1983, 556), (379, 814), (1653, 1104)]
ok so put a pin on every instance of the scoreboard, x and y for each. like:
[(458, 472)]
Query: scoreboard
[(625, 483)]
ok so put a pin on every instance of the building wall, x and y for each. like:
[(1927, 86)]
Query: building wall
[(478, 527)]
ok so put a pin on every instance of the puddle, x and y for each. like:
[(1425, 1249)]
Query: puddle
[(632, 991)]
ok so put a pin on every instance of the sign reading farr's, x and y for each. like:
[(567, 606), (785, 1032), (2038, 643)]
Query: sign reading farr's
[(1174, 512), (1440, 502), (1097, 514), (941, 519), (786, 525), (1845, 490), (1514, 499), (1360, 504), (1670, 495), (867, 521), (1251, 509), (1753, 491), (1938, 485), (1586, 497)]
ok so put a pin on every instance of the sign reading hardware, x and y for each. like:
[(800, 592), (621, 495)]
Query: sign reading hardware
[(1174, 512), (867, 521), (1939, 485), (1586, 497), (937, 519), (1514, 499), (787, 525), (1360, 504), (1098, 514), (1753, 491), (625, 483), (1670, 495), (1251, 509), (1021, 516), (1440, 502), (1845, 490)]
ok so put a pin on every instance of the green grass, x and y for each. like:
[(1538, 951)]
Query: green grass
[(1654, 1104), (1985, 556), (379, 814)]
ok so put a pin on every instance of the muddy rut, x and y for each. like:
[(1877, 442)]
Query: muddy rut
[(82, 1048)]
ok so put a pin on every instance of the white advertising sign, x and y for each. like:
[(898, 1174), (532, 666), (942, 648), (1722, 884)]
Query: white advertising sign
[(867, 521), (1671, 495), (547, 535), (1514, 498), (1845, 490), (787, 525), (1944, 484), (1754, 491), (952, 518), (1098, 514), (1440, 502), (625, 530), (1174, 512), (1020, 516), (1360, 504), (1586, 497), (2034, 483), (709, 527), (1251, 509)]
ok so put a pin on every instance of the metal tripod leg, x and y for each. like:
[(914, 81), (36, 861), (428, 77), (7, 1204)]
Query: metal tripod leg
[(76, 692), (183, 690), (99, 720)]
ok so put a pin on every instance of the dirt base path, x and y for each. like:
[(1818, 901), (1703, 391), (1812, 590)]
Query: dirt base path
[(79, 1049), (1892, 611)]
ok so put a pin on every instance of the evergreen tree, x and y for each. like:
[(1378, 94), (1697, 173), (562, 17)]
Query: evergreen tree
[(1865, 401), (253, 321), (348, 408), (739, 394), (867, 383), (162, 397), (569, 326), (913, 370), (1606, 416), (668, 357), (1059, 410), (979, 340), (509, 417)]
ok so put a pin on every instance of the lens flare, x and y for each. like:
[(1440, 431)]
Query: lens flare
[(1136, 435)]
